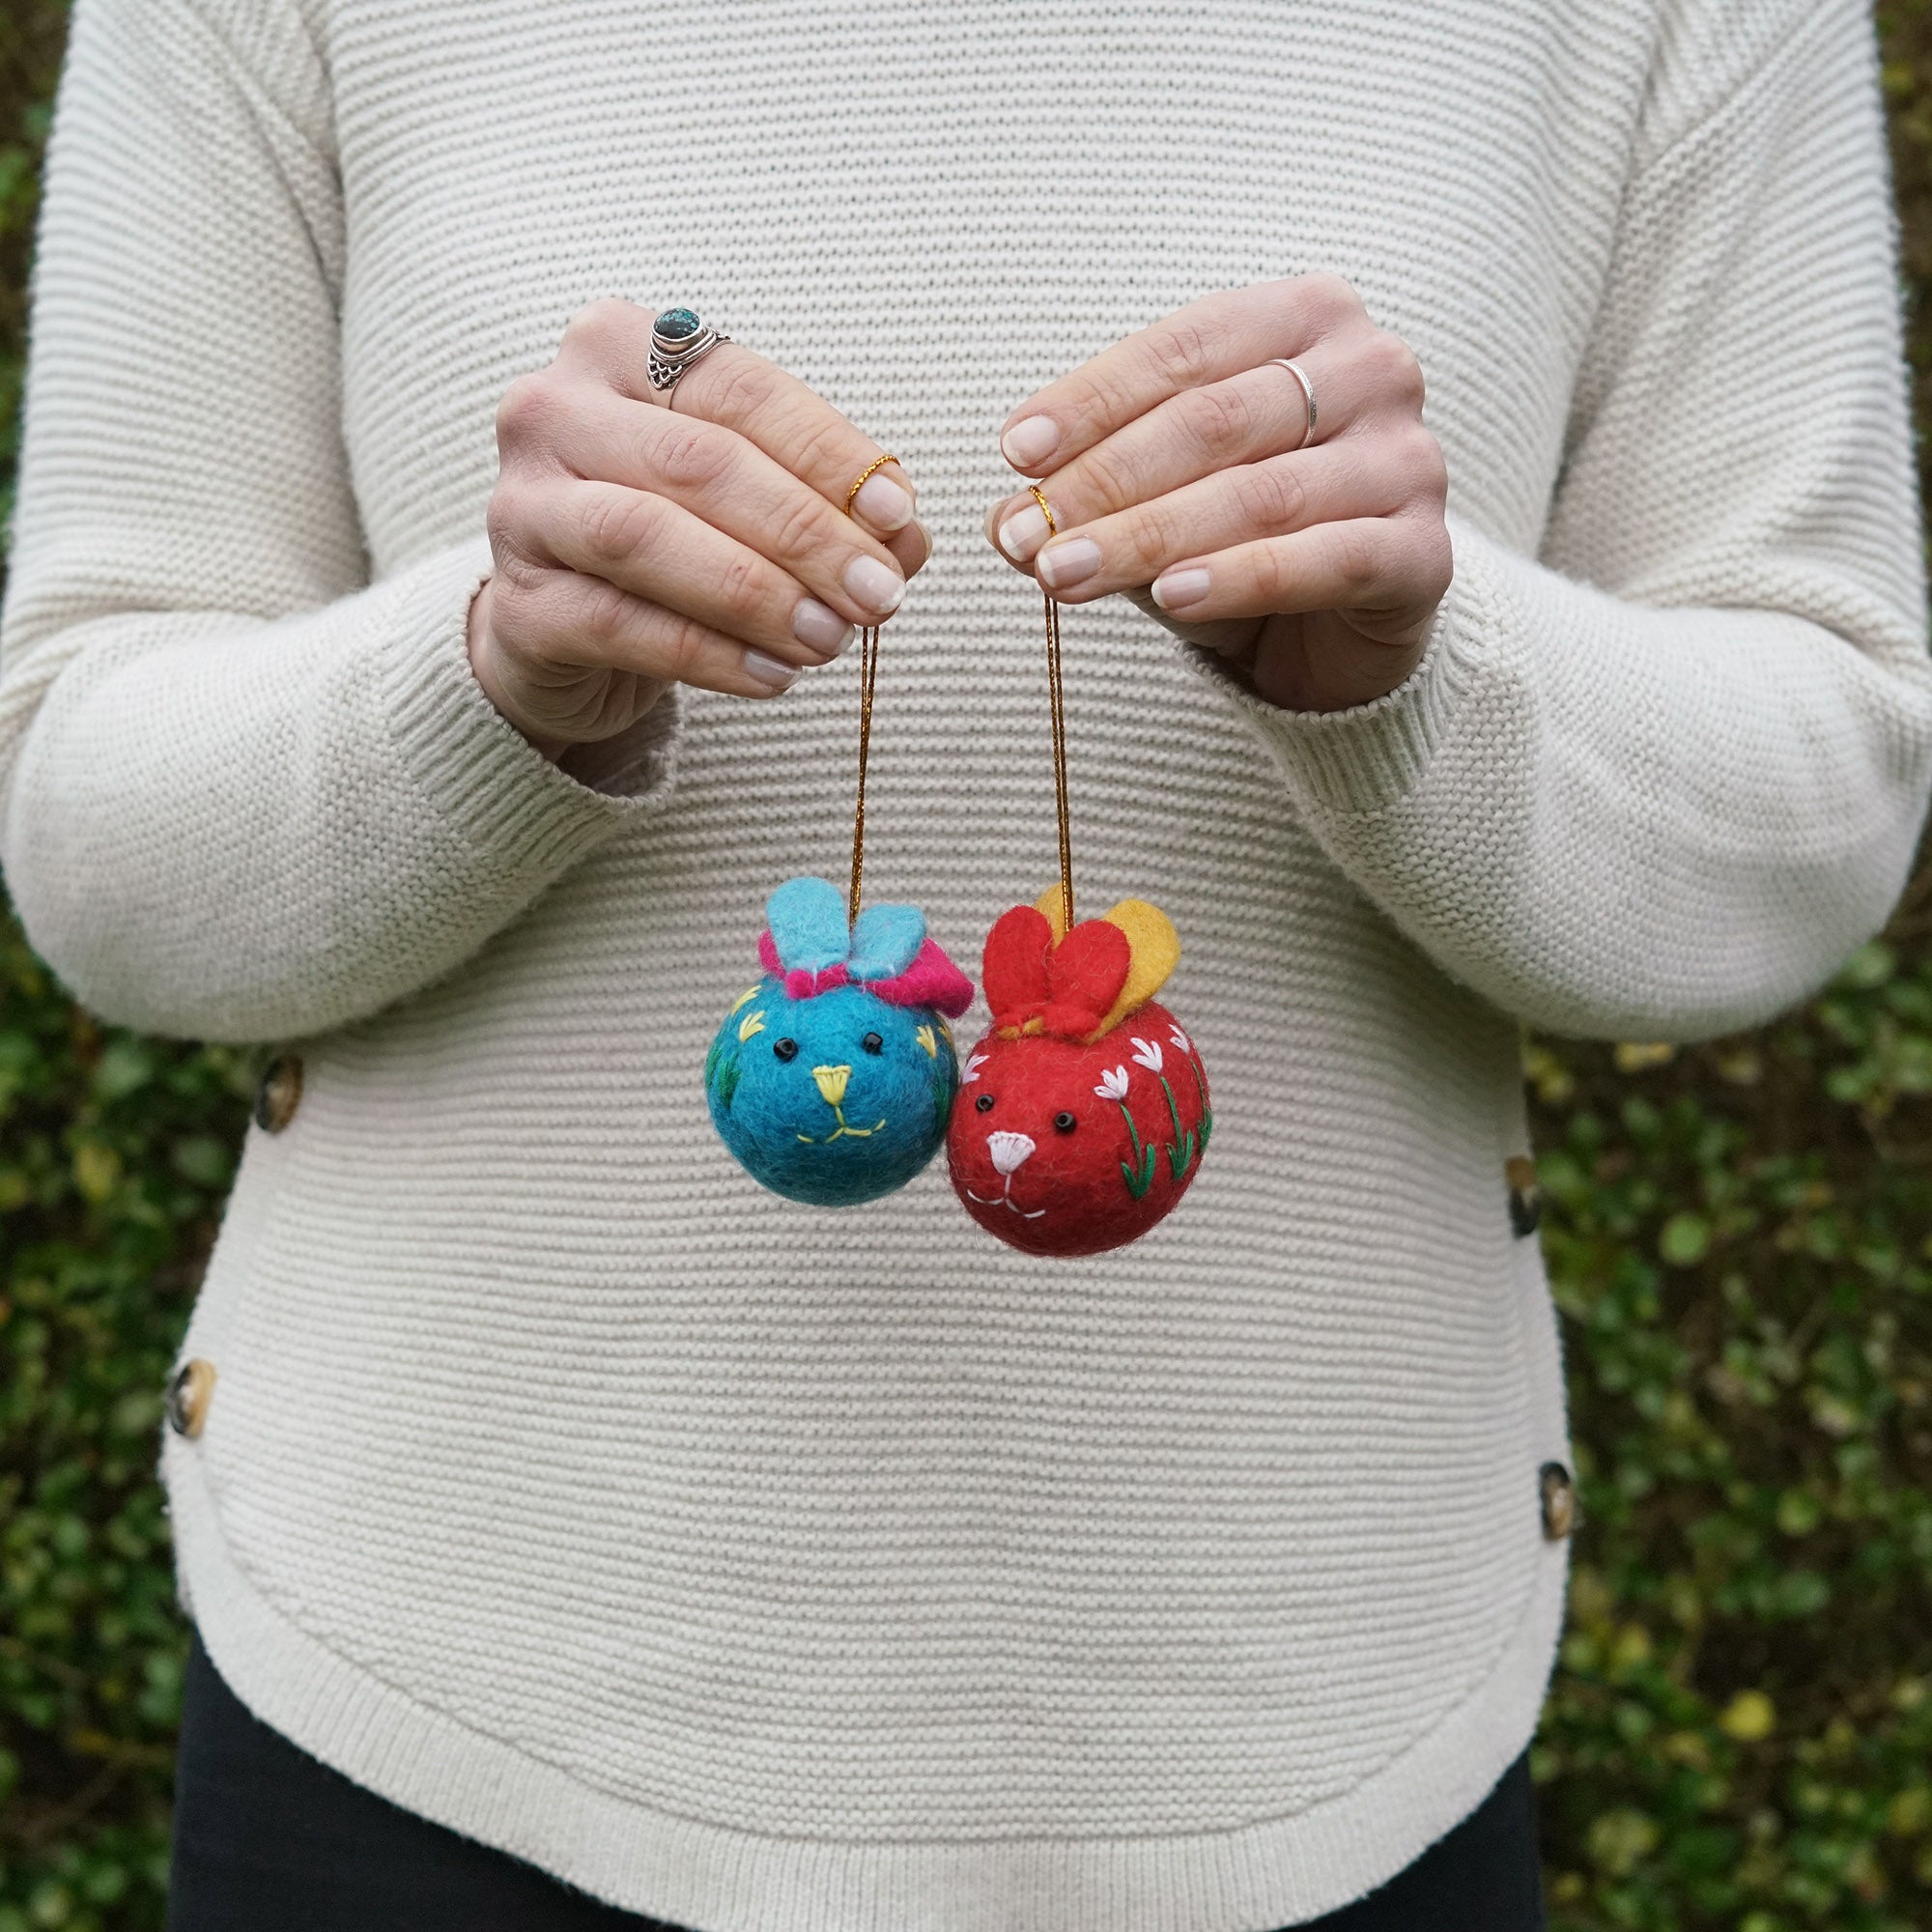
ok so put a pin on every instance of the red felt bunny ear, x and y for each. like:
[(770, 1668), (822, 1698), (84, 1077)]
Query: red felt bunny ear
[(1013, 970), (1085, 974), (1036, 985)]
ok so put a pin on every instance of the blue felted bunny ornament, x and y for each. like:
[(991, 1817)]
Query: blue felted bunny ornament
[(832, 1080)]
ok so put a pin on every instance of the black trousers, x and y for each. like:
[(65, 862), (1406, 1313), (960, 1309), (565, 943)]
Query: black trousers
[(266, 1840)]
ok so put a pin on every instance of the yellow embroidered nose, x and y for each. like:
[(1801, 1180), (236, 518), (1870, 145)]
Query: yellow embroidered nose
[(832, 1083)]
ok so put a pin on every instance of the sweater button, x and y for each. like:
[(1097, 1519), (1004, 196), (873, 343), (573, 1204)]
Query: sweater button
[(279, 1095), (189, 1393), (1525, 1197), (1560, 1514)]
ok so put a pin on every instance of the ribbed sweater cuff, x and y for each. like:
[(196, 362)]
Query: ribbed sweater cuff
[(475, 770), (1371, 755)]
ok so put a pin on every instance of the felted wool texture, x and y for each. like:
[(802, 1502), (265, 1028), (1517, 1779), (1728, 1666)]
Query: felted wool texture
[(1071, 1147), (1078, 983), (764, 1570), (810, 943), (832, 1099)]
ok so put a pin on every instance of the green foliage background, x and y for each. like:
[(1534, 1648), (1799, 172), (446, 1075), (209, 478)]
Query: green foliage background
[(1739, 1734)]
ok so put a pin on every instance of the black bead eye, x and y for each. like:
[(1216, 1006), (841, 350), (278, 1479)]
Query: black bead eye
[(1063, 1124), (872, 1043), (984, 1103), (785, 1049)]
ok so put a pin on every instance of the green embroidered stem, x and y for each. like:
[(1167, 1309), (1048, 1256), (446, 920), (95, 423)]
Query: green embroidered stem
[(1140, 1177), (1181, 1150), (1206, 1112), (720, 1072)]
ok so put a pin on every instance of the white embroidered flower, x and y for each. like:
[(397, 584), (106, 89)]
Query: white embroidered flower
[(1113, 1084), (973, 1067), (1181, 1039), (1147, 1053)]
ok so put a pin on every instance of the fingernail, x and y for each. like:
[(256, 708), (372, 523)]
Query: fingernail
[(925, 536), (1066, 564), (820, 626), (886, 507), (1023, 532), (774, 674), (874, 585), (1030, 441), (1178, 587)]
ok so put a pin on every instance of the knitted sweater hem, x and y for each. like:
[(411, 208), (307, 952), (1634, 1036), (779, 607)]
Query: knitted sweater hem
[(1362, 758), (1275, 1872)]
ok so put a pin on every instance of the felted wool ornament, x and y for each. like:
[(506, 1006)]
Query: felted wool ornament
[(1082, 1114), (832, 1079)]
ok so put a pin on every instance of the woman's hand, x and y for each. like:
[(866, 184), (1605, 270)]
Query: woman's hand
[(1173, 460), (637, 543)]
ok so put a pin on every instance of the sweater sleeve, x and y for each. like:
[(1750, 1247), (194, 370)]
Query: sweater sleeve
[(1657, 782), (243, 791)]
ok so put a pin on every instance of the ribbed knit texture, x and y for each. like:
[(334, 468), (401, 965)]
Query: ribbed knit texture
[(772, 1570)]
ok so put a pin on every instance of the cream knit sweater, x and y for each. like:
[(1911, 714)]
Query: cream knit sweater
[(772, 1570)]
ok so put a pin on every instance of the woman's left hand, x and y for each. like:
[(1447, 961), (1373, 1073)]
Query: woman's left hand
[(1175, 460)]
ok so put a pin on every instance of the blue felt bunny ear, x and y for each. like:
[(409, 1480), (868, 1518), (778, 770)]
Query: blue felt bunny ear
[(807, 918), (885, 941)]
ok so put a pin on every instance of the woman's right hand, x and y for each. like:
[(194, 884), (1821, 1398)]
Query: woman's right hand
[(637, 543)]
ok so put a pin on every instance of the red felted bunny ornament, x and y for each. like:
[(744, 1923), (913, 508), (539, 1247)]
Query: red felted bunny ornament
[(1082, 1114)]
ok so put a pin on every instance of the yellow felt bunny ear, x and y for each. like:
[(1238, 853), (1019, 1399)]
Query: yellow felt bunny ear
[(1153, 949), (1050, 903)]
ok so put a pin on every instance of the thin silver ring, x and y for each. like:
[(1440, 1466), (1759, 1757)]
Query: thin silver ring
[(1301, 375), (679, 337)]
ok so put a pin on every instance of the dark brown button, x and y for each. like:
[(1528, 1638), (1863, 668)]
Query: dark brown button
[(279, 1095), (1560, 1514), (1525, 1197), (189, 1396)]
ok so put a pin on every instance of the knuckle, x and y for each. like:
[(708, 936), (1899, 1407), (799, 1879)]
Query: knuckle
[(616, 526), (736, 388), (1106, 396), (1271, 495), (1183, 352), (1436, 562), (1107, 478), (799, 528), (1398, 368), (602, 614), (537, 623), (513, 609), (1268, 575), (690, 455), (509, 518), (1424, 465), (1328, 296), (741, 586), (525, 409), (600, 324), (1357, 561), (678, 642), (1221, 419), (1152, 539), (819, 447)]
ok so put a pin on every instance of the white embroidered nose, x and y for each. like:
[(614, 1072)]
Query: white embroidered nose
[(1009, 1151)]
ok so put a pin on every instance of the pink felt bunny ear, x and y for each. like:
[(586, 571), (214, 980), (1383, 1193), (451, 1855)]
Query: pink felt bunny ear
[(800, 982), (931, 980)]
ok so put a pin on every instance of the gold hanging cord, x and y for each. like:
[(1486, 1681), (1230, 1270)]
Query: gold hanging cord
[(1059, 706), (868, 673)]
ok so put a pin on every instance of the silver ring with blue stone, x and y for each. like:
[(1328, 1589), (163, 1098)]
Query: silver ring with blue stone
[(679, 336)]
